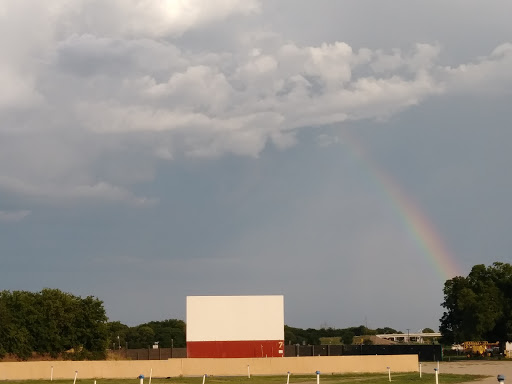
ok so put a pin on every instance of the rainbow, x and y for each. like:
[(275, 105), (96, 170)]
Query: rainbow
[(419, 227)]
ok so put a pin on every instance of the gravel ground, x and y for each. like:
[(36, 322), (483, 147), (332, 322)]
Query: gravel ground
[(488, 368)]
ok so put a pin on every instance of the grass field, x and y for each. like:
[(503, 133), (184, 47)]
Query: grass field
[(399, 378)]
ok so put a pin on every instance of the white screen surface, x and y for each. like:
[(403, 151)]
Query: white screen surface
[(230, 318)]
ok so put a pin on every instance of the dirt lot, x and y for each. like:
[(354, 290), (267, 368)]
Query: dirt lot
[(488, 368)]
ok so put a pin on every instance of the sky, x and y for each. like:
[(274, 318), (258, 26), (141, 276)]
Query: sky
[(350, 155)]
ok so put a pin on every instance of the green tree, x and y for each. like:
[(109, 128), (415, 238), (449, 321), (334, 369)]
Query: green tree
[(19, 316), (91, 327), (479, 306), (315, 336), (168, 333), (51, 322), (117, 334), (54, 326), (141, 336), (295, 335), (289, 335), (386, 330), (347, 337)]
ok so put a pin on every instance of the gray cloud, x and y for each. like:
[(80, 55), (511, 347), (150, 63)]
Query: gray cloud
[(222, 122), (13, 216), (95, 77), (149, 18)]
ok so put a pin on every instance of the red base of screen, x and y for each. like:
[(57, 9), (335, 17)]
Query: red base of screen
[(242, 348)]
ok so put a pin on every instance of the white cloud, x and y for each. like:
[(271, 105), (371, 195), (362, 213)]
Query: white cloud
[(268, 93), (489, 74), (422, 57), (68, 193), (324, 140), (150, 18), (105, 90), (13, 216), (17, 90), (26, 31)]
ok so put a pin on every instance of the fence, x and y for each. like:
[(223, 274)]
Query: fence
[(148, 354), (424, 352)]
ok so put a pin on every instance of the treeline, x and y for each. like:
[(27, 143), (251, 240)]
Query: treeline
[(52, 322), (172, 333), (167, 333), (311, 336), (59, 324), (479, 306), (55, 323)]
